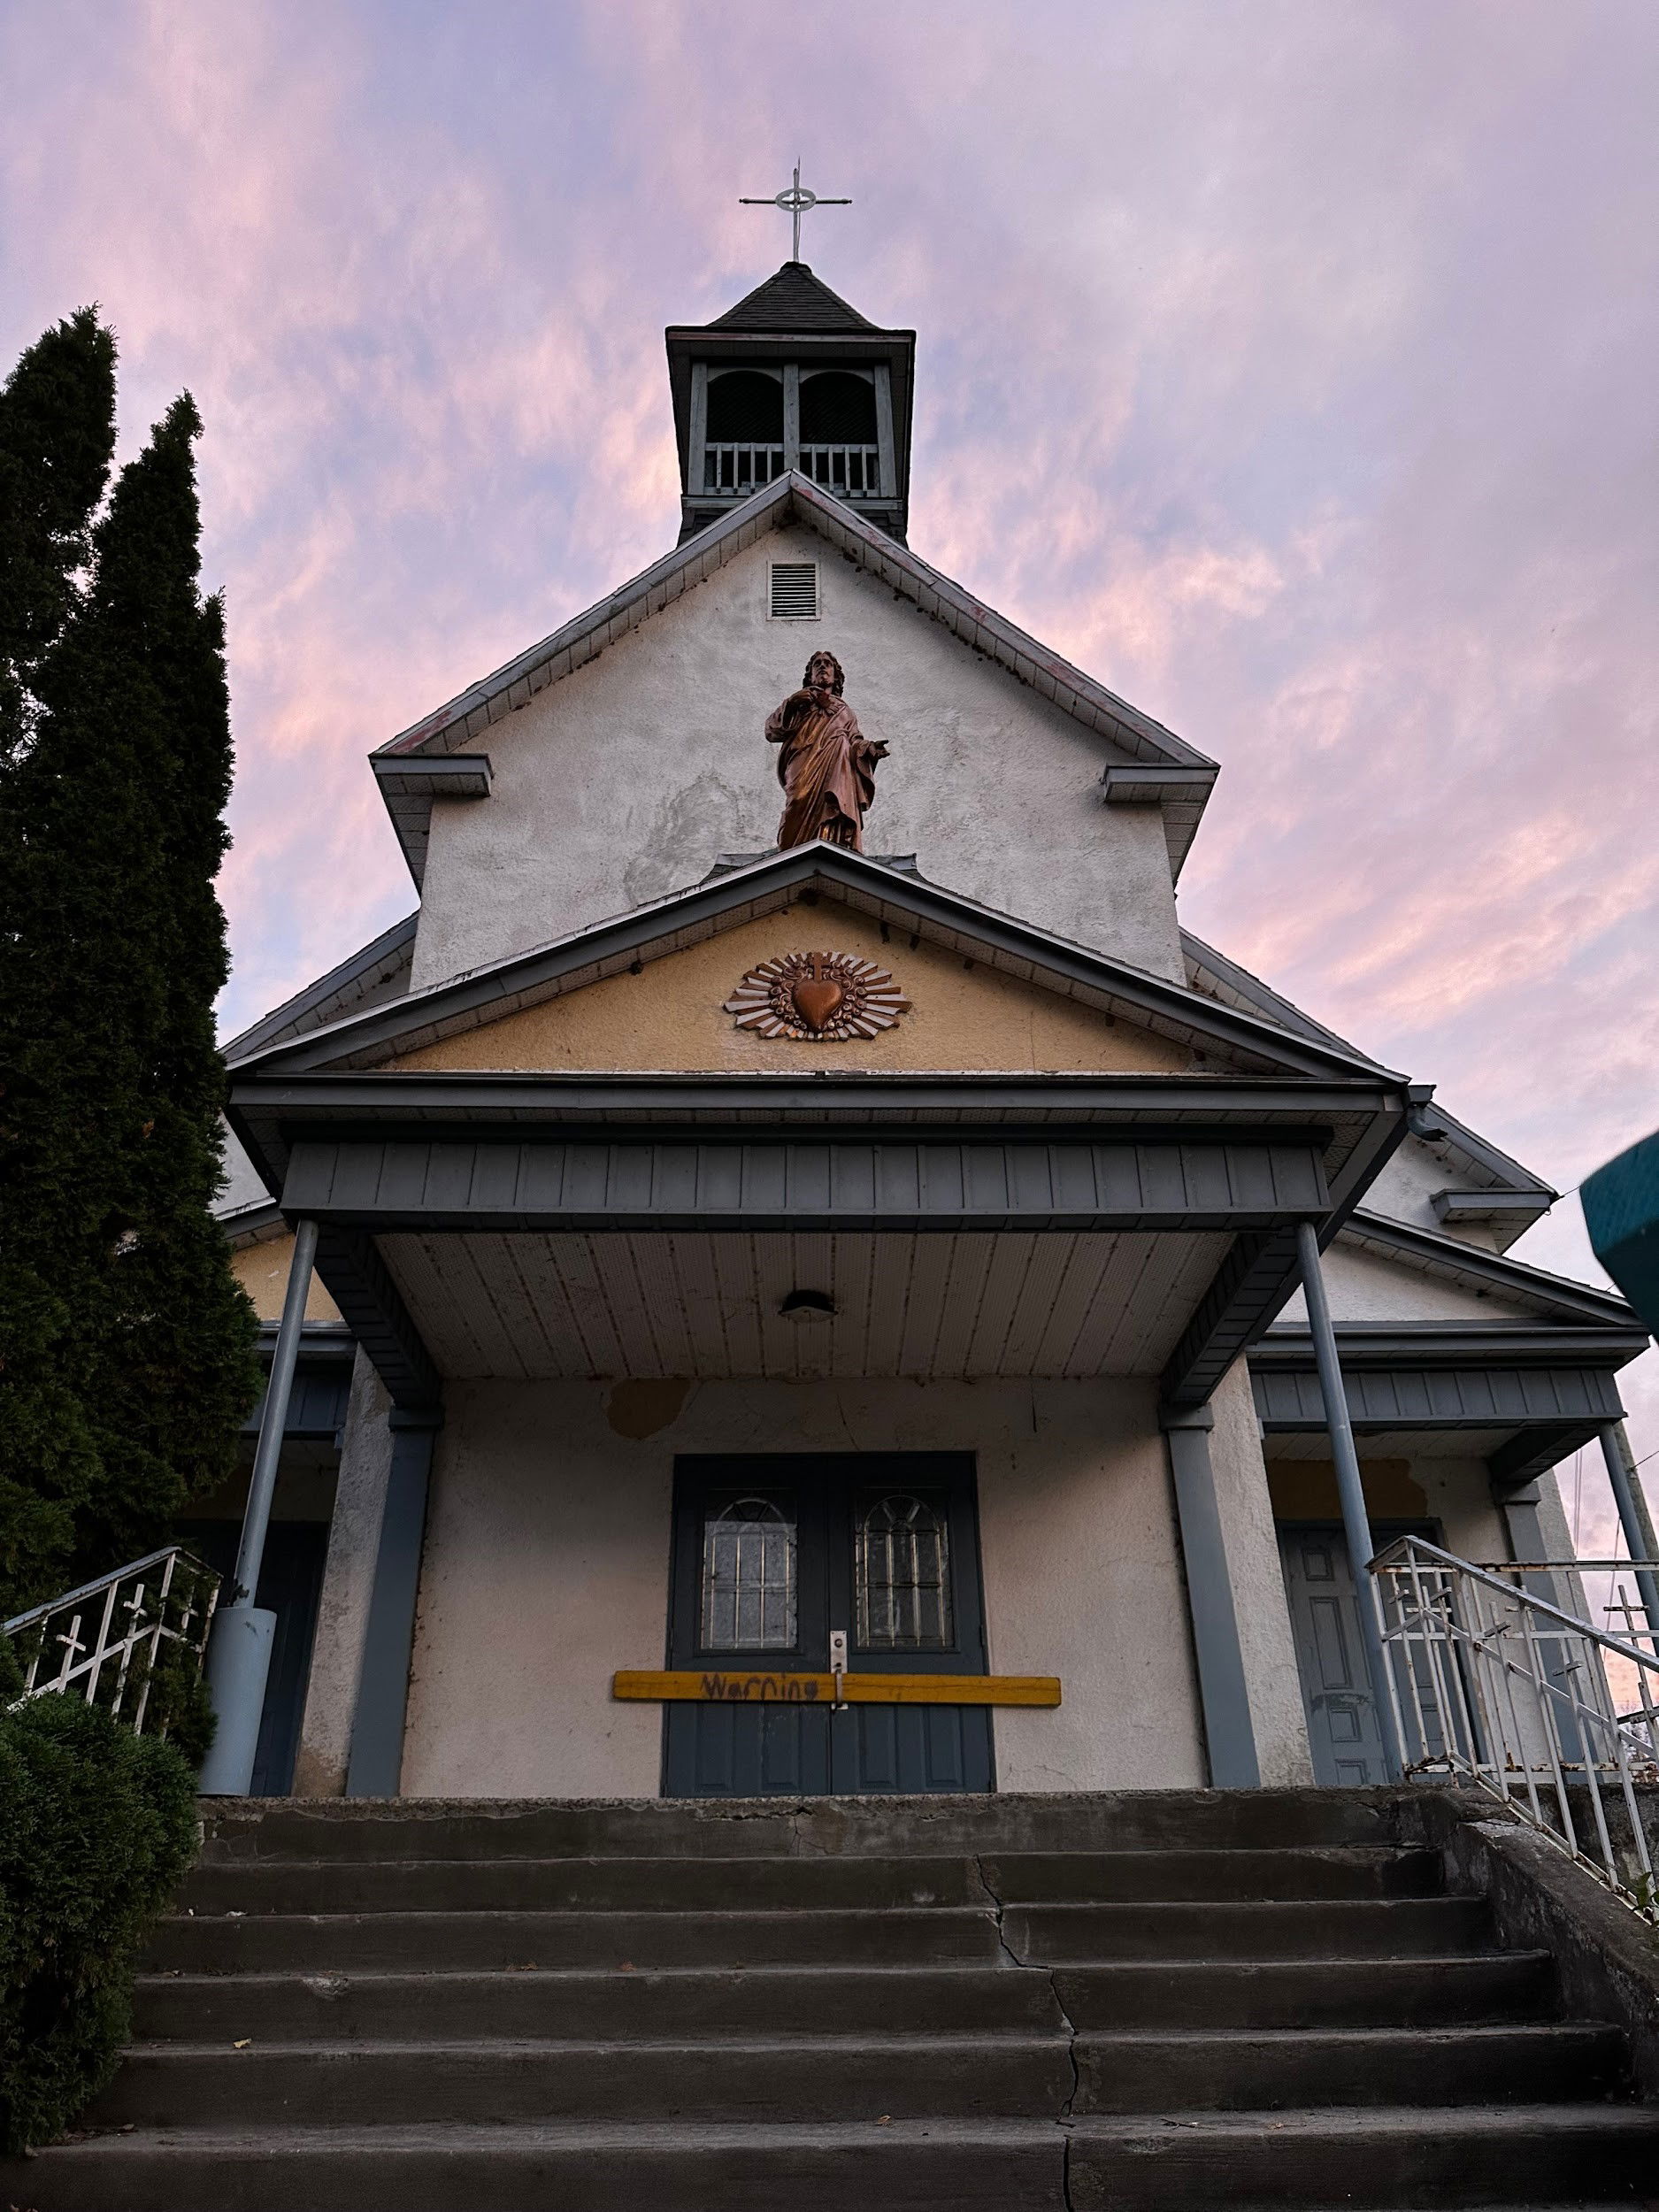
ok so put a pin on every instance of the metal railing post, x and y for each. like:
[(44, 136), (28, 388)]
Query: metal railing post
[(239, 1656), (1632, 1515), (1350, 1490)]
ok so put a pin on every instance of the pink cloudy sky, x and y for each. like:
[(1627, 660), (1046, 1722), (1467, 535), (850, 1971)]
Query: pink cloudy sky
[(1289, 364)]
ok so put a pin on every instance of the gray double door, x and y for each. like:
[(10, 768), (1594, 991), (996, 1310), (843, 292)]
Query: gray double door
[(773, 1556)]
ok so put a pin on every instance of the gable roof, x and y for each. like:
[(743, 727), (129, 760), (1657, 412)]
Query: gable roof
[(457, 726), (770, 885), (378, 972), (1469, 1266), (793, 299), (1466, 1152)]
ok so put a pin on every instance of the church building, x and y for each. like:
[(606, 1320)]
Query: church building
[(797, 1266)]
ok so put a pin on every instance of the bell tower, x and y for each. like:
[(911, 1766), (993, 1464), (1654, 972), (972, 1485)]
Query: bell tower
[(791, 377)]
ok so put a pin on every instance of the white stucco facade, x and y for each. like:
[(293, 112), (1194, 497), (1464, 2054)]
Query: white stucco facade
[(628, 779), (548, 1547)]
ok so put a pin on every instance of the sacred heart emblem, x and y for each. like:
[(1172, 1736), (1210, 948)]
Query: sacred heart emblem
[(817, 998)]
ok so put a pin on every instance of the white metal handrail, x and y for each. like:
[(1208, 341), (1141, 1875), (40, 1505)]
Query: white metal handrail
[(1494, 1683), (105, 1639)]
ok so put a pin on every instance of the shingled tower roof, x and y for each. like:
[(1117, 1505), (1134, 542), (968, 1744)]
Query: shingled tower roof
[(794, 299)]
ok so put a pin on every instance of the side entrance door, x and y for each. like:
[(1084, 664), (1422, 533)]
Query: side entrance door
[(1343, 1736), (774, 1555)]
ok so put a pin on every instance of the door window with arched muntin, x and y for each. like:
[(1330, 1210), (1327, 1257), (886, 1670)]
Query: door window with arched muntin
[(748, 1575), (903, 1572)]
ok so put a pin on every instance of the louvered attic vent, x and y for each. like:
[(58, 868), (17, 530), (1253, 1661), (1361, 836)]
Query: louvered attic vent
[(795, 591)]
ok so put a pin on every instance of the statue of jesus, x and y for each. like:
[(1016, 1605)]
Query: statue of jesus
[(825, 764)]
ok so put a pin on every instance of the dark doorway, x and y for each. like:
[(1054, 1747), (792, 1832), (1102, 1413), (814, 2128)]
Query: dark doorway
[(291, 1585), (772, 1553)]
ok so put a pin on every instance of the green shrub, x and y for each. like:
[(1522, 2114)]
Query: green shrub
[(96, 1829)]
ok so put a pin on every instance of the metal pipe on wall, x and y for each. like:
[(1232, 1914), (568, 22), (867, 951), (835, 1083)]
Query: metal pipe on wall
[(1350, 1490)]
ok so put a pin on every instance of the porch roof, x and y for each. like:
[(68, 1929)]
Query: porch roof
[(1119, 1225)]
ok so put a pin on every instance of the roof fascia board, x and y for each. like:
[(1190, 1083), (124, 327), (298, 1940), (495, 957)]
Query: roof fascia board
[(324, 988), (1488, 1270), (265, 1108), (796, 496), (1367, 1346), (829, 869)]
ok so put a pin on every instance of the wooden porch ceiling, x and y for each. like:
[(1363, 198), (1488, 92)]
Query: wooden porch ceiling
[(540, 1304)]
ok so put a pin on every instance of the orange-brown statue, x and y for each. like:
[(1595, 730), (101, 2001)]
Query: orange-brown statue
[(825, 764)]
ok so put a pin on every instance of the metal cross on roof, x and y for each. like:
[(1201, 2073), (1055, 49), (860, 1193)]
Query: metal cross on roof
[(796, 202)]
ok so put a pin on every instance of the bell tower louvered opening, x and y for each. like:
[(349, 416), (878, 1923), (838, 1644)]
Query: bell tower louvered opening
[(793, 379)]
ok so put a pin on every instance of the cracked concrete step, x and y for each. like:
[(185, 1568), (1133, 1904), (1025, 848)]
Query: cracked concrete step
[(1366, 2161), (1545, 2160), (704, 1884), (1255, 2070), (1346, 1928), (1441, 1991), (905, 2166), (790, 2077), (1486, 1988), (480, 1941), (713, 2001), (253, 1828)]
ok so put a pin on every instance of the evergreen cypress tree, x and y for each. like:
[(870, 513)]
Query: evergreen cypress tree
[(57, 440), (113, 950)]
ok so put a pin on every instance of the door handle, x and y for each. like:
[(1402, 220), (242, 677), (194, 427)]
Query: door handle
[(838, 1667)]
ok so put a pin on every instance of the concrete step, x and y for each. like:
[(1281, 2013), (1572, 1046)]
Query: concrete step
[(496, 1941), (1322, 1992), (1259, 2069), (638, 1884), (1582, 2156), (1365, 2161), (707, 2077), (719, 2000), (1109, 1876), (699, 1884), (1344, 1928), (686, 2001), (1148, 1820)]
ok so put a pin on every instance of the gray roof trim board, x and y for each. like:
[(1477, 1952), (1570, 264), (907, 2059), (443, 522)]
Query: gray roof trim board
[(771, 885), (368, 972), (1426, 1344), (409, 789), (253, 1224), (1348, 1120), (1470, 1267), (462, 721)]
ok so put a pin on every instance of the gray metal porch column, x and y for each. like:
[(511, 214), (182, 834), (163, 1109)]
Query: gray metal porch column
[(239, 1658), (377, 1732), (1229, 1733), (1350, 1489), (1633, 1513)]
